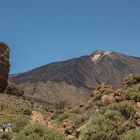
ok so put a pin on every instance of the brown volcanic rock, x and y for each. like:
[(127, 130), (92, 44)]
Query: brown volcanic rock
[(4, 66), (14, 90)]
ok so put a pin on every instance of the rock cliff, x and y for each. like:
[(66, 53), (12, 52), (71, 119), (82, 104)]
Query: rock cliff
[(4, 66)]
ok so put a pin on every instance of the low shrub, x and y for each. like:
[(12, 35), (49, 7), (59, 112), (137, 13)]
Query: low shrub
[(27, 112), (133, 95), (101, 128), (114, 115), (131, 135), (39, 132), (125, 108), (132, 79), (6, 136)]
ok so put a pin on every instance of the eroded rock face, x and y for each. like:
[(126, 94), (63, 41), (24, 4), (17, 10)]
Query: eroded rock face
[(4, 66)]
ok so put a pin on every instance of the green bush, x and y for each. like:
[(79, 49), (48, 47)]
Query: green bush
[(131, 135), (102, 128), (114, 115), (133, 95), (125, 108), (39, 132), (27, 112), (132, 79), (6, 136)]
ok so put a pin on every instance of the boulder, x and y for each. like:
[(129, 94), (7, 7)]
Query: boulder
[(14, 90), (107, 98), (4, 66), (67, 123)]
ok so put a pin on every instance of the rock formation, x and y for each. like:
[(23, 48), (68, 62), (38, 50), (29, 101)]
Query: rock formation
[(4, 66), (14, 90)]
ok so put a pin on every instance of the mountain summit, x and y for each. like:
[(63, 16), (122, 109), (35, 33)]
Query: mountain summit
[(98, 54), (73, 80)]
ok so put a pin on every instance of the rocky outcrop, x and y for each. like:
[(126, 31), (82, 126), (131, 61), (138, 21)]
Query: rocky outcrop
[(14, 90), (4, 66)]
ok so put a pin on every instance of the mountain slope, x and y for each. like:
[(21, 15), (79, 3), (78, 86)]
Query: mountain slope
[(73, 80)]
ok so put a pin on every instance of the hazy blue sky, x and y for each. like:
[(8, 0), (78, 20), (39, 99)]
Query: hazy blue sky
[(43, 31)]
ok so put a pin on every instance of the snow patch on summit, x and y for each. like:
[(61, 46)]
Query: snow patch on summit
[(97, 56)]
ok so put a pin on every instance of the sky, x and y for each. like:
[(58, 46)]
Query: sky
[(39, 32)]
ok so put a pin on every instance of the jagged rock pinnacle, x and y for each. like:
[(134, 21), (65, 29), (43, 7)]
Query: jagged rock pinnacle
[(4, 66)]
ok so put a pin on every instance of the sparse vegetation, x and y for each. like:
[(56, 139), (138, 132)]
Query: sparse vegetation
[(110, 114), (60, 105), (65, 116), (19, 125)]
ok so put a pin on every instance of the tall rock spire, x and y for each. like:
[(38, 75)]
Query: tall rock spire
[(4, 66)]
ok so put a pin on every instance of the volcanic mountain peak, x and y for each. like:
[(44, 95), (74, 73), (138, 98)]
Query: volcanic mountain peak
[(96, 55), (73, 80)]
